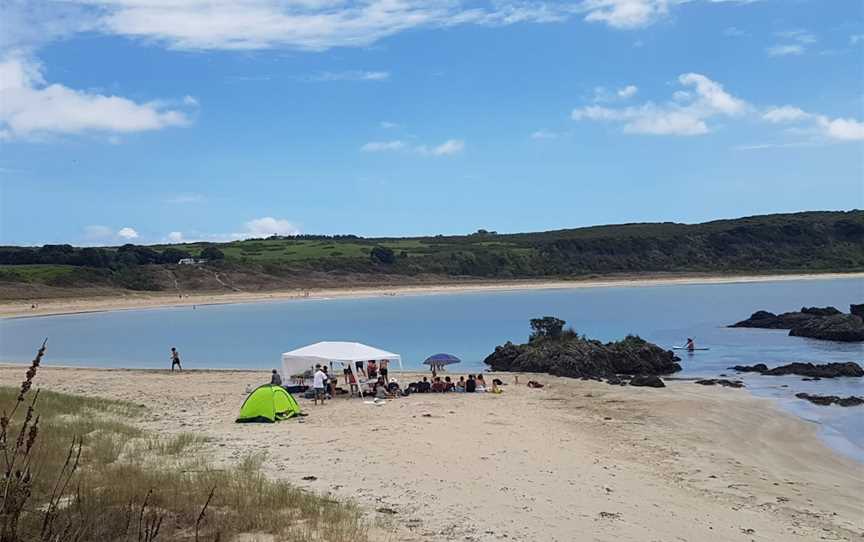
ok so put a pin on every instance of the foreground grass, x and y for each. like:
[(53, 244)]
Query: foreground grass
[(130, 484)]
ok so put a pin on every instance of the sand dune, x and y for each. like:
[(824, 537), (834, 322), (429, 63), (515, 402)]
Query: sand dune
[(573, 461)]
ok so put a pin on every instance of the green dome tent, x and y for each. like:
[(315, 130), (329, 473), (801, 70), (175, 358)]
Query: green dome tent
[(268, 403)]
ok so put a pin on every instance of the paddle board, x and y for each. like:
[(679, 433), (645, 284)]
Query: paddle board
[(685, 348)]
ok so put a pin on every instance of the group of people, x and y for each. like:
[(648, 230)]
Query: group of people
[(472, 384)]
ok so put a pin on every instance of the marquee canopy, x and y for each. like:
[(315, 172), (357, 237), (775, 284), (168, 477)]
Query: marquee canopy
[(298, 361)]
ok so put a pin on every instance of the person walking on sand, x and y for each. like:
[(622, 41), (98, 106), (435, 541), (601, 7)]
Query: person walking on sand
[(175, 359), (318, 382)]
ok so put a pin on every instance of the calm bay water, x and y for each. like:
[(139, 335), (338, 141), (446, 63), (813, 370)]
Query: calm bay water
[(470, 325)]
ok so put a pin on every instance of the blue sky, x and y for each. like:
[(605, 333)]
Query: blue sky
[(152, 120)]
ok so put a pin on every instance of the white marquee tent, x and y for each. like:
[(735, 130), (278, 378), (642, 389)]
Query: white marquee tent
[(345, 353)]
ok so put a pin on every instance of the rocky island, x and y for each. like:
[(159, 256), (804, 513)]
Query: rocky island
[(553, 350), (826, 323), (813, 371)]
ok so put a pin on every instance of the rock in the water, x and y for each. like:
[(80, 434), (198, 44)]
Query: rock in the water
[(826, 370), (826, 400), (721, 382), (758, 368), (839, 327), (825, 323), (577, 357), (651, 381)]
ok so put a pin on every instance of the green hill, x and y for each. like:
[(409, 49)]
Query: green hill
[(799, 242)]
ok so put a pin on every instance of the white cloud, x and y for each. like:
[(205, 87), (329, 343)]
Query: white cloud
[(686, 116), (838, 129), (842, 129), (796, 42), (786, 113), (175, 237), (298, 24), (30, 107), (628, 92), (380, 146), (626, 13), (734, 32), (264, 24), (449, 147), (387, 125), (188, 197), (544, 134), (689, 111), (785, 50), (127, 234), (267, 226), (855, 39), (104, 234), (348, 75)]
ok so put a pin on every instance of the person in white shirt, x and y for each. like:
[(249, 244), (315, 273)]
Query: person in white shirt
[(319, 383)]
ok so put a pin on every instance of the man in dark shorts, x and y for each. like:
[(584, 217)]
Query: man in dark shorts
[(175, 359), (383, 366)]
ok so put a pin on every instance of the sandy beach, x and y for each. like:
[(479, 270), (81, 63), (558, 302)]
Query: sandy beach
[(576, 460), (143, 300)]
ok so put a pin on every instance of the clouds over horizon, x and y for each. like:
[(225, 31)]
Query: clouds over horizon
[(689, 111), (30, 107)]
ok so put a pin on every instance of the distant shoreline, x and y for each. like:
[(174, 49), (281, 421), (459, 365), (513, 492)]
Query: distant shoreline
[(54, 307)]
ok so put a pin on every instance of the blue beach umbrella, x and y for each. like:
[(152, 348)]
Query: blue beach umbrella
[(442, 359)]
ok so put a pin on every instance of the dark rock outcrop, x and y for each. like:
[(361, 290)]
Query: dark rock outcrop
[(825, 323), (758, 368), (575, 356), (839, 327), (826, 400), (857, 310), (826, 370), (650, 381), (721, 382)]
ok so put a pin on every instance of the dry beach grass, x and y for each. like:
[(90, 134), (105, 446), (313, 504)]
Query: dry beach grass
[(573, 461)]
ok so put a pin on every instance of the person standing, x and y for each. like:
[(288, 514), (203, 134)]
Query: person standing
[(383, 369), (319, 380), (690, 346), (175, 359)]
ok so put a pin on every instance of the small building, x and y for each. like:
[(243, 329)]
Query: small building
[(190, 261)]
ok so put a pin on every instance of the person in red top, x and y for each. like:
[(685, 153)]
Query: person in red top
[(372, 369)]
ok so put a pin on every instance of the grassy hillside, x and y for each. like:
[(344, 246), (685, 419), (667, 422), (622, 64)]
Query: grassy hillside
[(810, 241)]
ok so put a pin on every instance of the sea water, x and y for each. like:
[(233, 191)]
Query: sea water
[(470, 325)]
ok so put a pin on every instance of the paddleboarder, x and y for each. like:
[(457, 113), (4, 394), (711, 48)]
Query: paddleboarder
[(690, 346)]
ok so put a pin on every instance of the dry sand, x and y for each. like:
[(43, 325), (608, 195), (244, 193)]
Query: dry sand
[(44, 307), (573, 461)]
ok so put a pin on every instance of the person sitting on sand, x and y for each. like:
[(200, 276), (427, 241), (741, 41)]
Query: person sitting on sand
[(460, 386), (393, 387), (470, 384), (691, 346), (319, 380), (425, 386), (438, 385), (175, 359), (448, 384), (381, 391), (275, 378), (481, 383)]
